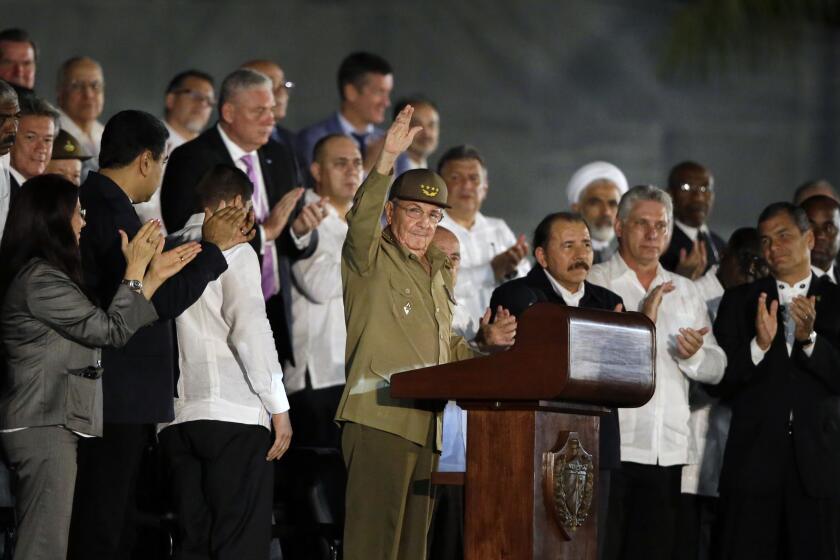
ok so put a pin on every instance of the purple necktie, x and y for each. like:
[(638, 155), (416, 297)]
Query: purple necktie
[(269, 284)]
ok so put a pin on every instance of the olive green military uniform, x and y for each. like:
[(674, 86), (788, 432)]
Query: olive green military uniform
[(399, 318)]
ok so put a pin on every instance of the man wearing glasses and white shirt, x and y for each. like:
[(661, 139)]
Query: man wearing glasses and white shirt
[(655, 438), (81, 98)]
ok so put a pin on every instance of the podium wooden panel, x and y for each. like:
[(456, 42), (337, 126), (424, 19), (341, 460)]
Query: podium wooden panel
[(524, 405)]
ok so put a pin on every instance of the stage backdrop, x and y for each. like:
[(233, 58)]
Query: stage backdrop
[(540, 87)]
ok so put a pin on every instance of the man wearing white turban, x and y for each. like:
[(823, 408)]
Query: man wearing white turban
[(594, 191)]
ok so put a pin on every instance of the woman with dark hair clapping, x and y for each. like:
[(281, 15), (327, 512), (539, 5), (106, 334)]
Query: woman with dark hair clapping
[(51, 334)]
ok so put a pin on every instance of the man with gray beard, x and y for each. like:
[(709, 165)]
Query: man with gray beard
[(594, 191)]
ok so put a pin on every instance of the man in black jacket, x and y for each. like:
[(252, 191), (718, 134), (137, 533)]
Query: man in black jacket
[(242, 138), (138, 386), (694, 248), (780, 488), (563, 251)]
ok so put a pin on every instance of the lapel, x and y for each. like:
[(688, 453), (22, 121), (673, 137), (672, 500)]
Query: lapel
[(590, 300), (334, 125), (539, 281), (217, 146)]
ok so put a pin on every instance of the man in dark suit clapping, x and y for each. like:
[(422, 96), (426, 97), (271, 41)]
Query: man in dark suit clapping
[(779, 485), (242, 138)]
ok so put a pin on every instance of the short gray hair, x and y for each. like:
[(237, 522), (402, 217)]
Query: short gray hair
[(240, 80), (38, 107), (640, 193), (7, 92)]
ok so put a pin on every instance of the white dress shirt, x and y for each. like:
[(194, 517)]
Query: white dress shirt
[(319, 334), (658, 432), (479, 245), (151, 210), (453, 453), (229, 365), (786, 294), (91, 143), (5, 191), (572, 299)]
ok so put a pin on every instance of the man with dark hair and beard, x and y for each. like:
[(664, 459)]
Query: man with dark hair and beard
[(563, 251), (9, 120)]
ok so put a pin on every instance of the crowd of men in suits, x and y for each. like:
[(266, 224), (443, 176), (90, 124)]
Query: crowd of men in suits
[(735, 456)]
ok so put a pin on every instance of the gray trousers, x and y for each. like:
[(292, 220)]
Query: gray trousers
[(43, 464)]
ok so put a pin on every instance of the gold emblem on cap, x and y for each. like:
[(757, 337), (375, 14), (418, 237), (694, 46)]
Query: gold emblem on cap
[(69, 147), (430, 191)]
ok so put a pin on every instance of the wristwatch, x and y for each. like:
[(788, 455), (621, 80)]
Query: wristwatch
[(133, 285), (810, 340)]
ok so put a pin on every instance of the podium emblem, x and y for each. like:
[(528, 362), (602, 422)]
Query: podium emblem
[(568, 483)]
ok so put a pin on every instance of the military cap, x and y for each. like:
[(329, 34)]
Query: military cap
[(65, 146), (421, 185)]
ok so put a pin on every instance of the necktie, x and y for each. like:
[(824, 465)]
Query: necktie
[(790, 326), (361, 139), (711, 251), (269, 283)]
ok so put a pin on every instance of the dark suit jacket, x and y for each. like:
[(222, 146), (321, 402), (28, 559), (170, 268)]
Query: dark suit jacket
[(139, 379), (518, 295), (14, 187), (283, 135), (679, 240), (188, 164), (763, 396)]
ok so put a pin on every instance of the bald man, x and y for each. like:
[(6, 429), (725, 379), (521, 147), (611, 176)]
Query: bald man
[(81, 98), (813, 188)]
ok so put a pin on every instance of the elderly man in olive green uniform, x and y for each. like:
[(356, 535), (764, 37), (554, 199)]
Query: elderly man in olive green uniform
[(398, 307)]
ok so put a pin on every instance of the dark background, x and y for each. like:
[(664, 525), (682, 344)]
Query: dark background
[(541, 87)]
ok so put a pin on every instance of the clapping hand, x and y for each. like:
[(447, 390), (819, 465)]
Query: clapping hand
[(692, 265), (766, 322), (504, 264), (804, 313), (650, 305), (499, 334), (689, 341)]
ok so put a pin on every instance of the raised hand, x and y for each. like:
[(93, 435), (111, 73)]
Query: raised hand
[(499, 334), (139, 251), (689, 341), (650, 305), (397, 140), (310, 216), (505, 263), (766, 322), (279, 215), (692, 265), (804, 312), (282, 436)]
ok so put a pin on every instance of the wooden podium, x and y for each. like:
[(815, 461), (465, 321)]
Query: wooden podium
[(533, 413)]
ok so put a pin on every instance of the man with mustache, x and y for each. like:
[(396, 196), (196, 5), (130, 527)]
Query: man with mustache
[(780, 493), (563, 251), (655, 438), (490, 252), (33, 145), (594, 191), (81, 98), (9, 120), (694, 247), (824, 215)]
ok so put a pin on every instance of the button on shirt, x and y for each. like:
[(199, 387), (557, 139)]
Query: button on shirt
[(318, 331), (229, 365), (658, 432), (479, 245)]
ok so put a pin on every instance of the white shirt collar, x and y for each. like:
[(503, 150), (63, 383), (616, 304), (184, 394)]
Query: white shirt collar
[(820, 272), (174, 139), (789, 291), (478, 222), (17, 175), (233, 148), (571, 299), (349, 128), (691, 232)]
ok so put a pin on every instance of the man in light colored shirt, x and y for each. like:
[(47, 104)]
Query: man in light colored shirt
[(490, 252), (316, 380), (426, 141), (81, 98), (189, 100), (824, 215), (365, 81), (9, 120), (33, 145), (779, 486), (655, 438), (594, 191), (230, 395)]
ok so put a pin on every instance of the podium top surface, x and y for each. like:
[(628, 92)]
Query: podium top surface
[(561, 353)]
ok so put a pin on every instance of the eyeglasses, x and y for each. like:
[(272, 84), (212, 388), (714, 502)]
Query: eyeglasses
[(284, 85), (694, 189), (95, 86), (6, 116), (82, 213), (417, 213), (660, 228), (196, 96)]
